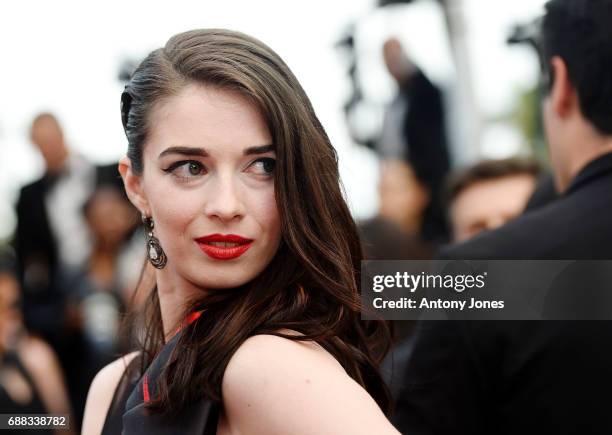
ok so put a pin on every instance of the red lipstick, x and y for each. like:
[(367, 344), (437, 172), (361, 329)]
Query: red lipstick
[(224, 246)]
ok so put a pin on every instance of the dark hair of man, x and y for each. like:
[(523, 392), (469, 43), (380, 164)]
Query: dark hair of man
[(310, 286), (489, 170), (580, 32)]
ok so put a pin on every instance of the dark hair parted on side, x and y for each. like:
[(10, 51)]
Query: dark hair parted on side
[(579, 32), (310, 286), (489, 170)]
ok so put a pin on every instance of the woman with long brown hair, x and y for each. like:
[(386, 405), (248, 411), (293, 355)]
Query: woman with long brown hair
[(253, 323)]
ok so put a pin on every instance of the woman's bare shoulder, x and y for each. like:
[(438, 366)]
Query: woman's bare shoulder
[(101, 394), (268, 353), (271, 381), (261, 357)]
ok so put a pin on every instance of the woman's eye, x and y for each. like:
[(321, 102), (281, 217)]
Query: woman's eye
[(186, 169), (264, 166)]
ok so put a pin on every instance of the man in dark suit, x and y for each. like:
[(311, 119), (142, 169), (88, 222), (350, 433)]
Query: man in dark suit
[(414, 130), (544, 377), (51, 232)]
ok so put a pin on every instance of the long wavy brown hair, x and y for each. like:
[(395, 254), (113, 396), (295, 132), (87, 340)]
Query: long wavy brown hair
[(311, 284)]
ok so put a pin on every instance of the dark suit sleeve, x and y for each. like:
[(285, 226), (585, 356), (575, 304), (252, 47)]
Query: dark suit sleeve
[(444, 382), (442, 388)]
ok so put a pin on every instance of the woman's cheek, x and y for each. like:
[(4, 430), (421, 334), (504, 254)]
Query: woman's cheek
[(267, 214), (175, 212)]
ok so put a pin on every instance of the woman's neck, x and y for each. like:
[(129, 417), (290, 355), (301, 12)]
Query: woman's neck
[(174, 295)]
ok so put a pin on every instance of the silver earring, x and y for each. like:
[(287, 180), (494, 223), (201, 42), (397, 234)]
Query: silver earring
[(156, 254)]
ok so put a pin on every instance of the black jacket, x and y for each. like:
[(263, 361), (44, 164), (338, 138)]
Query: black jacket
[(518, 377), (425, 133)]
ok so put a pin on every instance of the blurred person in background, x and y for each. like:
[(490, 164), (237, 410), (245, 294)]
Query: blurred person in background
[(414, 130), (31, 379), (515, 377), (395, 233), (98, 291), (480, 198), (51, 232), (52, 237), (489, 194)]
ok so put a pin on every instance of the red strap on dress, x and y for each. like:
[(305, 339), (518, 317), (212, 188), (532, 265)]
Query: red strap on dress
[(145, 382), (189, 320), (145, 389)]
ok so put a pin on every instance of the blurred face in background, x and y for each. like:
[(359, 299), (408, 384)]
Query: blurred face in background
[(396, 60), (47, 135), (110, 217), (208, 174), (489, 204)]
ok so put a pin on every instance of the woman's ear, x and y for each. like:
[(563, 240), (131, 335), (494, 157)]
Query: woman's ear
[(133, 186)]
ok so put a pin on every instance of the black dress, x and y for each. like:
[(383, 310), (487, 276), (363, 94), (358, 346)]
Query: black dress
[(127, 414)]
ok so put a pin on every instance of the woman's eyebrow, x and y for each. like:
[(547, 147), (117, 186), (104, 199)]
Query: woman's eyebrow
[(258, 150), (201, 152), (183, 150)]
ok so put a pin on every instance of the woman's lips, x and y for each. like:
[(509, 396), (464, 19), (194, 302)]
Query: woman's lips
[(224, 246)]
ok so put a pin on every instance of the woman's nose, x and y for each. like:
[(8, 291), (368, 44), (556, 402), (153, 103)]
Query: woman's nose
[(223, 200)]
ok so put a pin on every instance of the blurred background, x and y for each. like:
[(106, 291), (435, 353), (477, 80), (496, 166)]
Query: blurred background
[(66, 58), (422, 99)]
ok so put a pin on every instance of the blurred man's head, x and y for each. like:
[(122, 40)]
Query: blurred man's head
[(46, 133), (403, 197), (397, 62), (577, 111), (489, 194)]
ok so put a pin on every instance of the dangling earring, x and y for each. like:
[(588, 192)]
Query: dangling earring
[(156, 254)]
